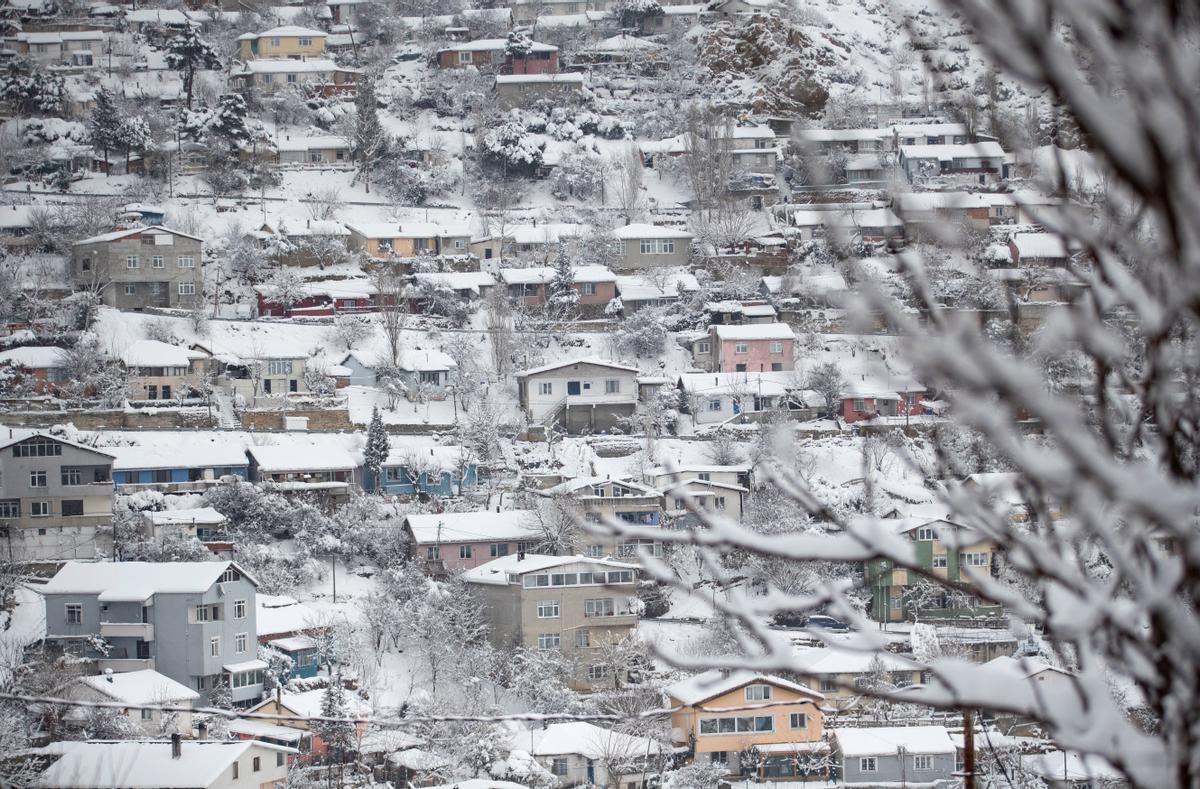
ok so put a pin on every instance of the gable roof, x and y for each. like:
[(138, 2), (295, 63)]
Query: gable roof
[(137, 581), (143, 764), (16, 436), (593, 360), (497, 571), (717, 682), (140, 687), (890, 740), (472, 526), (117, 235), (296, 457), (643, 230)]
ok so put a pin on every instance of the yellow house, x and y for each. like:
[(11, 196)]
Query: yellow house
[(722, 714), (289, 41), (389, 240)]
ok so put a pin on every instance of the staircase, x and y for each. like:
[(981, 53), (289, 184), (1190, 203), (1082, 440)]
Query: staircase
[(227, 418)]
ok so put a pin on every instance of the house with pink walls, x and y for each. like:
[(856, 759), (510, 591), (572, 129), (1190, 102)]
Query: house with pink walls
[(755, 347), (870, 394), (449, 542)]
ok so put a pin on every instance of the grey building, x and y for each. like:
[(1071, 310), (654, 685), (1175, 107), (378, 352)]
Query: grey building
[(53, 495), (140, 267), (894, 755), (191, 621)]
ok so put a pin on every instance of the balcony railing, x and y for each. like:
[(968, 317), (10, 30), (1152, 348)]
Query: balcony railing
[(140, 630)]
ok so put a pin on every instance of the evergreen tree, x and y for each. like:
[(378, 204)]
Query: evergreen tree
[(337, 734), (133, 134), (104, 125), (562, 300), (518, 46), (228, 120), (188, 53), (370, 139), (376, 452)]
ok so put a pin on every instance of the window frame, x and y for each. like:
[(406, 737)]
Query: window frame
[(549, 609), (868, 764), (77, 610)]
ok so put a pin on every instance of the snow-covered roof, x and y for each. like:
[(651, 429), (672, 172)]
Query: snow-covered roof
[(440, 458), (765, 383), (58, 37), (1040, 245), (886, 740), (205, 516), (407, 230), (754, 331), (140, 687), (100, 764), (259, 730), (717, 682), (152, 353), (34, 357), (289, 66), (543, 233), (818, 661), (929, 129), (624, 43), (497, 571), (411, 359), (690, 469), (493, 45), (485, 526), (190, 452), (117, 235), (929, 201), (137, 581), (643, 230), (642, 288), (593, 360), (418, 760), (540, 79), (161, 16), (457, 280), (16, 217), (584, 483), (246, 665), (841, 135), (541, 275), (972, 150), (308, 703), (279, 614), (284, 31), (846, 219), (582, 739), (316, 143), (17, 435), (299, 457), (293, 643)]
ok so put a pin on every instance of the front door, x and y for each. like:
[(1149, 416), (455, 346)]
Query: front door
[(591, 772), (266, 386), (166, 392), (573, 387), (151, 392)]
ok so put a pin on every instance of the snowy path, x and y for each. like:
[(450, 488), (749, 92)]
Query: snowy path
[(226, 416)]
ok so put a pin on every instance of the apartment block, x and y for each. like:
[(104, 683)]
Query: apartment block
[(140, 267)]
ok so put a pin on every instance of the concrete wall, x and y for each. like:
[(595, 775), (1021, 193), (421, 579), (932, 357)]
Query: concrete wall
[(153, 285), (633, 257), (897, 770)]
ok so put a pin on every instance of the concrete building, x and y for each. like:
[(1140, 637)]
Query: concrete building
[(54, 494), (600, 499), (140, 267), (289, 41), (77, 49), (754, 347), (582, 395), (191, 621), (448, 542), (160, 371), (653, 246), (570, 603)]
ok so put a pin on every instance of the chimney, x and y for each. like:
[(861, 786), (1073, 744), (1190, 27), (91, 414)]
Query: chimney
[(202, 730), (176, 745), (108, 675)]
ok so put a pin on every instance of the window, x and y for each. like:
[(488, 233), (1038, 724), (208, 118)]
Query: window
[(37, 448), (131, 290), (279, 367), (738, 724), (776, 347), (939, 560), (547, 609), (621, 577), (465, 57), (612, 387), (279, 759), (433, 552), (274, 42), (718, 757), (185, 261), (798, 720), (74, 614), (464, 551), (10, 508), (291, 78), (867, 764), (973, 559), (587, 288), (187, 289), (498, 549), (559, 765), (602, 606), (131, 261), (72, 508), (72, 476), (229, 575), (923, 762), (235, 766), (545, 388), (430, 377), (39, 509), (829, 686), (758, 693), (858, 404), (741, 347), (200, 684), (214, 646), (147, 715), (256, 764), (156, 261), (239, 644), (239, 609), (926, 534), (37, 479), (583, 639), (549, 641), (597, 671), (714, 405), (704, 347), (306, 42)]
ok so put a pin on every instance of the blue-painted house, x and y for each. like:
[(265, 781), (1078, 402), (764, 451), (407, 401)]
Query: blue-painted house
[(426, 471), (303, 652), (181, 468)]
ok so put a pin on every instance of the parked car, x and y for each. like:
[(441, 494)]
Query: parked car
[(822, 622)]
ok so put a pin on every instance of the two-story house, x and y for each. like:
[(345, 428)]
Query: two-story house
[(653, 246), (574, 604), (74, 48), (748, 348), (161, 371), (716, 489), (191, 621), (268, 76), (54, 494), (599, 499), (140, 267), (596, 286), (582, 395), (948, 550), (722, 713), (289, 41), (493, 53), (895, 755), (983, 162), (447, 542), (391, 240)]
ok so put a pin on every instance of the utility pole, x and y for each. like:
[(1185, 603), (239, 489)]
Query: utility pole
[(968, 749)]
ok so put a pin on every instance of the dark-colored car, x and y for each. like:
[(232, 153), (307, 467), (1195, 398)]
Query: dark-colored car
[(822, 622)]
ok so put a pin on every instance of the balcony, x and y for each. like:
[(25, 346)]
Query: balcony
[(124, 664), (140, 630)]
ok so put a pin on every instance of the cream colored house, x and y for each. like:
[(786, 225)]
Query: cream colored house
[(160, 371), (391, 240), (140, 688), (289, 41)]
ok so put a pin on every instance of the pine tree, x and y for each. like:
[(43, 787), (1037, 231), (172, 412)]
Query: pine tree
[(104, 124), (376, 452), (337, 734), (133, 134), (370, 139), (562, 299), (187, 53)]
